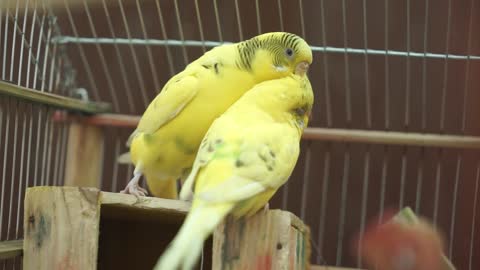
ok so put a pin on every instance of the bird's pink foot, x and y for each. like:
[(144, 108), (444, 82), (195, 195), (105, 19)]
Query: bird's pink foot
[(134, 189)]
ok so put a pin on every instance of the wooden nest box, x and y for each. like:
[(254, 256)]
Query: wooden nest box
[(82, 228)]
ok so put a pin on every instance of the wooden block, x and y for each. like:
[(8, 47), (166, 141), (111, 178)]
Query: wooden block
[(84, 155), (10, 249), (82, 229), (268, 240)]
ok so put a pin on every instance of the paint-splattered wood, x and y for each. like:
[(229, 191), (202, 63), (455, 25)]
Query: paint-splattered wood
[(84, 155), (61, 228), (272, 239), (78, 228)]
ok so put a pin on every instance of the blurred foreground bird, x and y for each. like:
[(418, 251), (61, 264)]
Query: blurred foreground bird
[(246, 156), (164, 145), (394, 245)]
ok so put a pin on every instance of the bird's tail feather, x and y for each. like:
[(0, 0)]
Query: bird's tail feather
[(186, 248)]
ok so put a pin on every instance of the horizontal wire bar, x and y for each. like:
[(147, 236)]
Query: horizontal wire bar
[(313, 133), (9, 89), (197, 43)]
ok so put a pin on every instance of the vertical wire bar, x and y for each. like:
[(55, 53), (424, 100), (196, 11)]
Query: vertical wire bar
[(20, 177), (200, 27), (13, 167), (1, 23), (29, 147), (346, 162), (323, 205), (5, 38), (386, 148), (64, 153), (148, 47), (302, 19), (239, 20), (418, 198), (4, 171), (259, 21), (115, 164), (30, 49), (280, 13), (165, 37), (306, 177), (134, 55), (180, 31), (22, 44), (14, 39), (363, 214), (39, 46), (49, 149), (83, 57), (407, 112), (52, 69), (37, 146), (326, 168), (46, 134), (126, 82), (341, 224), (45, 57), (217, 20), (57, 154), (103, 61), (474, 219), (464, 117), (442, 115)]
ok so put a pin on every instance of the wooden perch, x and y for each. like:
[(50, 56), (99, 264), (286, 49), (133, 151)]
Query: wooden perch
[(10, 249), (317, 134), (407, 216)]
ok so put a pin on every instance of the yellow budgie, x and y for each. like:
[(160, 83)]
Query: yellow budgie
[(164, 145), (246, 156)]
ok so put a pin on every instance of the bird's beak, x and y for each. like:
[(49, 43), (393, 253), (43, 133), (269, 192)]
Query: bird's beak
[(301, 68)]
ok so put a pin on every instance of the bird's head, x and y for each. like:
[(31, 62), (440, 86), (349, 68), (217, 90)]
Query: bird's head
[(275, 55)]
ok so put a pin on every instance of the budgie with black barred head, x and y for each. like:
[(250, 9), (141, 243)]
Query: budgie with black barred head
[(164, 144)]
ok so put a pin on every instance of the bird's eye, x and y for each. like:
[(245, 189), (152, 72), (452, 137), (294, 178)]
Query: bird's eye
[(289, 52)]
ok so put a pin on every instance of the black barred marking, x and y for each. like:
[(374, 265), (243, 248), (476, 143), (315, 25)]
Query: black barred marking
[(216, 68), (275, 43)]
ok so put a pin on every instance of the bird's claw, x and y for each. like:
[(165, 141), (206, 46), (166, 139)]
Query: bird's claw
[(135, 189)]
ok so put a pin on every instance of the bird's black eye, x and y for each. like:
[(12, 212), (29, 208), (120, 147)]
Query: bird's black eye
[(289, 52)]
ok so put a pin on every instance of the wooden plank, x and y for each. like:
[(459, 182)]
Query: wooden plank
[(61, 228), (273, 239), (10, 249), (84, 156), (320, 134), (61, 102)]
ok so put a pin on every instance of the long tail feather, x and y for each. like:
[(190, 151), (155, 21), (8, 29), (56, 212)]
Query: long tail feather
[(186, 248)]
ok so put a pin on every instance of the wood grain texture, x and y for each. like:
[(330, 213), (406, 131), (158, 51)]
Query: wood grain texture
[(273, 239), (84, 156), (10, 249), (61, 228)]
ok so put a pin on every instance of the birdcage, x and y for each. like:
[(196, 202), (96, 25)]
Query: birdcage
[(394, 121)]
